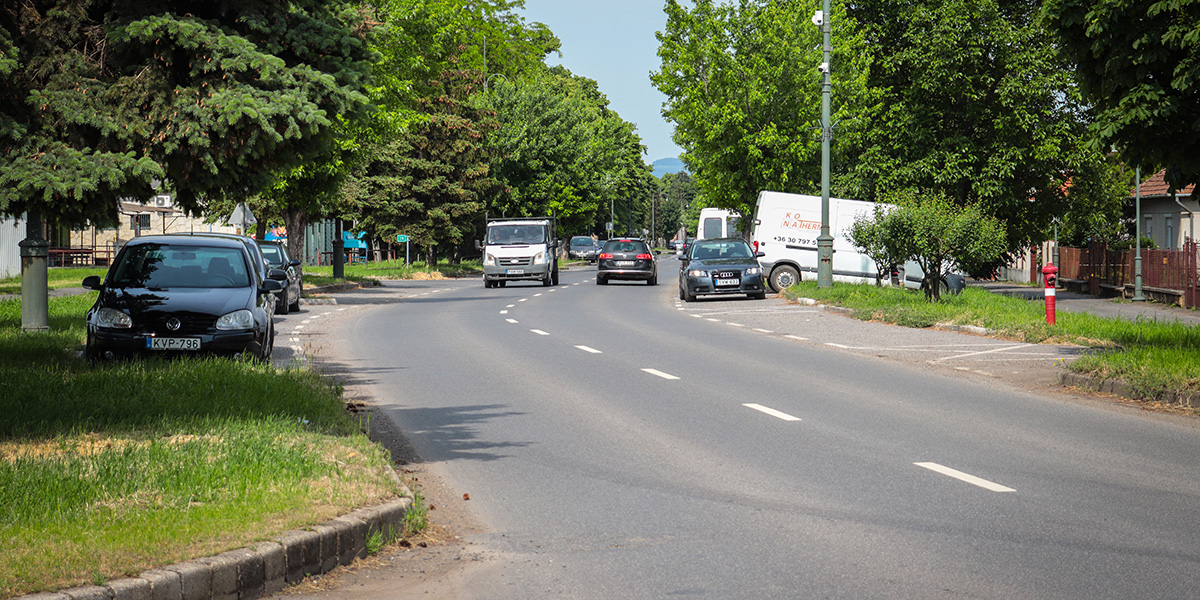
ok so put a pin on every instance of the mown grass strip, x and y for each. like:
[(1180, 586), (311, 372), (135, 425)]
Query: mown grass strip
[(109, 469), (390, 269), (58, 277), (1153, 357)]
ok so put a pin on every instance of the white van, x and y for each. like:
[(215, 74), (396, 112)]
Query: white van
[(717, 223), (786, 227)]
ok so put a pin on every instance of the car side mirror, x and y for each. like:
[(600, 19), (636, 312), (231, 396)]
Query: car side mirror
[(294, 263), (479, 244), (270, 285), (759, 254), (277, 275), (92, 282)]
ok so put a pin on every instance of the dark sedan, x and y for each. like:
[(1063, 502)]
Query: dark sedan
[(720, 266), (183, 294), (626, 258), (277, 258)]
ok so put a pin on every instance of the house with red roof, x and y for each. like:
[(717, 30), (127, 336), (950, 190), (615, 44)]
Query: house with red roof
[(1167, 219)]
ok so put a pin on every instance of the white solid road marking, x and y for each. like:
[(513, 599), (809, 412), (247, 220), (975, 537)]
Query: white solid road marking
[(971, 479), (587, 349), (837, 345), (512, 320), (539, 332), (772, 412), (658, 373)]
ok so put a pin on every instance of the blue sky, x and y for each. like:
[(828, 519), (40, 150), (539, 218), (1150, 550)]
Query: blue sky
[(612, 42)]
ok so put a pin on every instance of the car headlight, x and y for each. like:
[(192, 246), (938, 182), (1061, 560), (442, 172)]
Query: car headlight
[(113, 319), (754, 271), (489, 260), (697, 273), (238, 319), (540, 258)]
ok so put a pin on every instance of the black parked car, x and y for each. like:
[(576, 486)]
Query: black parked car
[(182, 294), (720, 266), (626, 258), (277, 258)]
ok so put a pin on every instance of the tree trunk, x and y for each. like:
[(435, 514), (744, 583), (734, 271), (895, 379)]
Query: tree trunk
[(296, 221)]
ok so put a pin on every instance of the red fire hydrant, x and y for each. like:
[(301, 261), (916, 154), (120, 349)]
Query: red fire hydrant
[(1050, 276)]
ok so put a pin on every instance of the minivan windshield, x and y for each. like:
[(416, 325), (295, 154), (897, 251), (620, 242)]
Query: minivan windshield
[(517, 234), (163, 266)]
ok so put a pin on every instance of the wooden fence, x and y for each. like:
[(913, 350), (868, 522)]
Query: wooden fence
[(1098, 268)]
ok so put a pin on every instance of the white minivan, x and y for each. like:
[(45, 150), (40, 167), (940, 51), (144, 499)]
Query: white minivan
[(786, 227), (717, 223)]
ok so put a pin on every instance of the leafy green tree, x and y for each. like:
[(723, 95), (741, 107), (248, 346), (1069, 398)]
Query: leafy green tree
[(432, 182), (1138, 63), (744, 92), (977, 104), (681, 190), (101, 99), (930, 229), (560, 150)]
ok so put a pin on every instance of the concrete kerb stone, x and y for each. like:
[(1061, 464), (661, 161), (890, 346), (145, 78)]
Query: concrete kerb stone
[(352, 538), (195, 580), (89, 592), (224, 571), (132, 588), (302, 554), (164, 584), (274, 561), (45, 596), (329, 547)]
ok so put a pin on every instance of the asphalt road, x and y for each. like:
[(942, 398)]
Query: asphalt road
[(616, 443)]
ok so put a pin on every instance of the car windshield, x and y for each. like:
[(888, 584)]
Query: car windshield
[(516, 234), (705, 250), (178, 266), (273, 253), (581, 241)]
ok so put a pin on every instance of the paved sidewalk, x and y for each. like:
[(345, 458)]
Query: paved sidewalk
[(1116, 308)]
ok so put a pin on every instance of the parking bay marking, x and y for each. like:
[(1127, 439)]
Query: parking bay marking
[(772, 412), (959, 475)]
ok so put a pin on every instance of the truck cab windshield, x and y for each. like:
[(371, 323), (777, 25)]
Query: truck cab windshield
[(516, 234)]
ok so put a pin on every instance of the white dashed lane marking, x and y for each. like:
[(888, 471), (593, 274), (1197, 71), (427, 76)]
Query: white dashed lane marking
[(589, 350), (772, 412), (959, 475), (658, 373)]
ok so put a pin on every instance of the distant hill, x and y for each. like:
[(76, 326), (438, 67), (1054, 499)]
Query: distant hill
[(663, 166)]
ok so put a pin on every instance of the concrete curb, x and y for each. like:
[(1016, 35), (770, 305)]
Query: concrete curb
[(1119, 387), (258, 570)]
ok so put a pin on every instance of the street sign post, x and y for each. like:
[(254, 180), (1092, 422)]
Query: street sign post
[(400, 237)]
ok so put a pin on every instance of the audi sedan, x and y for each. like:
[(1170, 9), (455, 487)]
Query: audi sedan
[(180, 295), (626, 258), (720, 266)]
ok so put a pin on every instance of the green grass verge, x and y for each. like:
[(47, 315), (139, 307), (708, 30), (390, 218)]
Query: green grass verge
[(390, 269), (59, 277), (107, 470), (1153, 357)]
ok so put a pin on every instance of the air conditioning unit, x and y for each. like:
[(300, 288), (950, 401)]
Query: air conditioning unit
[(162, 201)]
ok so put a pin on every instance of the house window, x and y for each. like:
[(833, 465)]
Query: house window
[(1148, 230), (1170, 233), (137, 222)]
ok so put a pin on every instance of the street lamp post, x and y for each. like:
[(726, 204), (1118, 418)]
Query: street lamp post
[(825, 240)]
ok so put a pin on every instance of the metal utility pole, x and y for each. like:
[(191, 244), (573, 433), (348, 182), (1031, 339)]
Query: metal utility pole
[(825, 240), (1137, 256)]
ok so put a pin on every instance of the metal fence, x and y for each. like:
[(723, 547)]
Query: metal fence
[(1174, 270)]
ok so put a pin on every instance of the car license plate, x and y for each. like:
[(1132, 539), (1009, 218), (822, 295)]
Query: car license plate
[(157, 343), (625, 263), (515, 271), (729, 282)]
